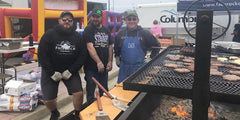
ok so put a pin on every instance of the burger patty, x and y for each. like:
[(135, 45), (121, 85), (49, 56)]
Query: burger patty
[(188, 60), (171, 65), (215, 72), (231, 77), (182, 70), (174, 58), (235, 72)]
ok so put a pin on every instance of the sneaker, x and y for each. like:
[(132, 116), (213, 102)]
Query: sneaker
[(54, 115), (75, 116)]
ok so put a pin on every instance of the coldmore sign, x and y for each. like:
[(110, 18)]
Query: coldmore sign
[(171, 17)]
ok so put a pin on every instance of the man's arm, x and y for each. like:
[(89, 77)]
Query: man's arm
[(151, 42), (93, 53), (117, 49), (44, 50), (82, 55), (110, 58)]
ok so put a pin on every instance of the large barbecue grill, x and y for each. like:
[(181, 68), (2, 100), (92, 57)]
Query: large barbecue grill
[(200, 87), (155, 77)]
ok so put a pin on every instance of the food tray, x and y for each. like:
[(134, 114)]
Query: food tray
[(10, 43), (231, 47)]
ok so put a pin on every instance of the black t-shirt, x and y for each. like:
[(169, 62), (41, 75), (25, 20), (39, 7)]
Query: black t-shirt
[(101, 39)]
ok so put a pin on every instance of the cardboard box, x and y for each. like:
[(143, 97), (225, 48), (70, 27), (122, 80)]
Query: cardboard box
[(17, 88), (166, 41), (181, 42)]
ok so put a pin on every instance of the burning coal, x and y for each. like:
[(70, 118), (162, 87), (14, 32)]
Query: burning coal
[(172, 108)]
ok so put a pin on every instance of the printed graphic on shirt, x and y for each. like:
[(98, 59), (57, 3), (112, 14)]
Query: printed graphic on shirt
[(101, 39), (131, 45), (65, 47)]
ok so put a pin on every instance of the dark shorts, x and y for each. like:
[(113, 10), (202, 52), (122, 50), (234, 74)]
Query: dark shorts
[(50, 87)]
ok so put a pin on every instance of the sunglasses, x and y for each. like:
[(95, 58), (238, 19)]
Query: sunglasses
[(66, 19), (133, 19)]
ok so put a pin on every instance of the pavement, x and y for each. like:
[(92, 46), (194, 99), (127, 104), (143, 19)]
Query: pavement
[(64, 100)]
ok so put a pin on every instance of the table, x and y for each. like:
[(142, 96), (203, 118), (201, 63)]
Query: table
[(3, 76), (91, 111)]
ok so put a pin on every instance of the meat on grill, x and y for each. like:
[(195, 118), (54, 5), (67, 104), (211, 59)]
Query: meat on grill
[(187, 50), (187, 63), (216, 63), (235, 72), (172, 65), (229, 66), (238, 68), (188, 60), (182, 70), (191, 67), (213, 67), (174, 58), (231, 77), (215, 72)]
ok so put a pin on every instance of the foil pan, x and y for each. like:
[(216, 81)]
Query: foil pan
[(231, 47)]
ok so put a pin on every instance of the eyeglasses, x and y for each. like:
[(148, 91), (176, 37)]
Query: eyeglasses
[(133, 19), (66, 19)]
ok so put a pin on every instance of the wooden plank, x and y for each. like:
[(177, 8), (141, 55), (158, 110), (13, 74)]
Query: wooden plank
[(91, 111)]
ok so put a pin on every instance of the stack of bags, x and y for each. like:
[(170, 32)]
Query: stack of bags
[(19, 96)]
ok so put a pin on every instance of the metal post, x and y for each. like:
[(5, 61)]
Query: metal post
[(113, 5), (30, 40), (108, 5), (201, 87), (177, 29)]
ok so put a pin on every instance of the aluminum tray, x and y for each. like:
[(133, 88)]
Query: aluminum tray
[(231, 47), (10, 43), (11, 39)]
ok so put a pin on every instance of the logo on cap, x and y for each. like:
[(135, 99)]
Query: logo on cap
[(99, 11)]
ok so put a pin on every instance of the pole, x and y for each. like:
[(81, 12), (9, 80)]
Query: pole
[(201, 87), (177, 29), (108, 5), (113, 5)]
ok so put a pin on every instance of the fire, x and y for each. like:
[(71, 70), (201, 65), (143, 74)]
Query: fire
[(211, 114), (179, 110)]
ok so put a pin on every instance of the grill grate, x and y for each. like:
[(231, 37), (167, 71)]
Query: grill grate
[(155, 77)]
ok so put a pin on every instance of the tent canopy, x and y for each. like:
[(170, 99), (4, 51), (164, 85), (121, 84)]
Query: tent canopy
[(233, 5)]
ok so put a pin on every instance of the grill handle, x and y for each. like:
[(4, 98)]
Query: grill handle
[(102, 88)]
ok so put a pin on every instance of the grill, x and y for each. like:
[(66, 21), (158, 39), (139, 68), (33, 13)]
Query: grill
[(155, 77)]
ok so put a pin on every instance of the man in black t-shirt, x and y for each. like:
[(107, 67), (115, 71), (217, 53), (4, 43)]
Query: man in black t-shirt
[(100, 48)]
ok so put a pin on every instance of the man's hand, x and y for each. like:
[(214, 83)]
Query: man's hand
[(117, 60), (66, 74), (109, 66), (57, 76), (100, 67)]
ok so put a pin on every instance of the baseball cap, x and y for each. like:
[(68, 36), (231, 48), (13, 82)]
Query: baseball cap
[(131, 13), (97, 12), (66, 13)]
